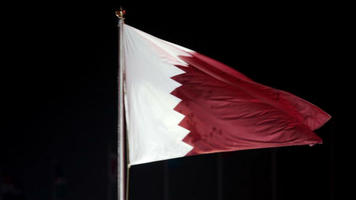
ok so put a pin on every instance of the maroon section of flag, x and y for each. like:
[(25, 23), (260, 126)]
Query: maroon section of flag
[(226, 111)]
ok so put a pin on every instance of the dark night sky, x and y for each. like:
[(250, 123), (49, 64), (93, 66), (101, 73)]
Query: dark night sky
[(60, 93)]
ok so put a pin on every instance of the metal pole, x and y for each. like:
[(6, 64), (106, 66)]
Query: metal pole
[(122, 166), (166, 181), (220, 176), (274, 173)]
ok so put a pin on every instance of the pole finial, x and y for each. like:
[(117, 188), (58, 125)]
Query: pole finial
[(120, 13)]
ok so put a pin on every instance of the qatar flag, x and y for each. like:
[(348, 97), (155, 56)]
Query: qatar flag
[(180, 103)]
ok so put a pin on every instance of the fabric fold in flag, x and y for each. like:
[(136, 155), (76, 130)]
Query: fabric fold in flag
[(179, 103)]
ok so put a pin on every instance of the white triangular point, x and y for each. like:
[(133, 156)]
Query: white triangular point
[(152, 123)]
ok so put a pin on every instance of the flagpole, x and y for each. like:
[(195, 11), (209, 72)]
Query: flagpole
[(274, 173), (220, 176), (122, 165)]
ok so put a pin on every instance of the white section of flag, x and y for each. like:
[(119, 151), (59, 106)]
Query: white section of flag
[(152, 123)]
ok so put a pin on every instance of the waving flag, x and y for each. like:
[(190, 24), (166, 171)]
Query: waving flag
[(180, 103)]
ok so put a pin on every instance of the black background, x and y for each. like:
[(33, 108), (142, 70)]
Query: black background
[(59, 97)]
